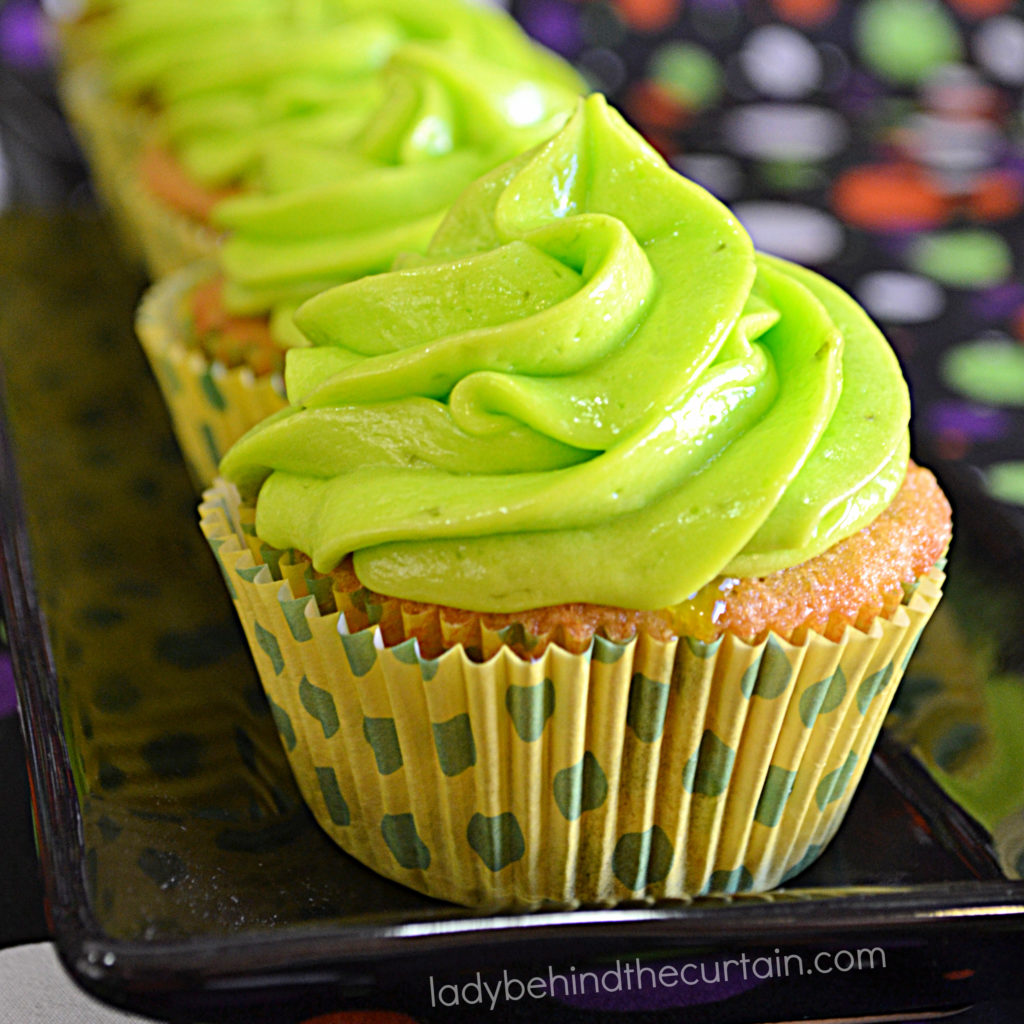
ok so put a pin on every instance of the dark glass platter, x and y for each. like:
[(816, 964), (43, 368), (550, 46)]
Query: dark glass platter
[(185, 879)]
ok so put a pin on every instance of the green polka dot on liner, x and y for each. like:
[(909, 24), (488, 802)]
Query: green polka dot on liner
[(530, 707), (320, 704), (337, 806), (988, 370), (769, 676), (906, 40), (737, 880), (708, 770), (642, 858), (645, 714), (580, 787), (402, 839), (453, 741), (382, 736), (498, 841), (822, 697), (970, 258), (1005, 482), (687, 72), (834, 783)]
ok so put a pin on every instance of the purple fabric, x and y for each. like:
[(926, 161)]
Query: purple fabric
[(8, 698), (22, 34)]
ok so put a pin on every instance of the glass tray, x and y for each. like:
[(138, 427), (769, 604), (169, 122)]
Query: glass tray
[(185, 878)]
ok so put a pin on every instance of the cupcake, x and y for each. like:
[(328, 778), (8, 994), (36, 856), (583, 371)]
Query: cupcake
[(222, 85), (217, 334), (584, 561)]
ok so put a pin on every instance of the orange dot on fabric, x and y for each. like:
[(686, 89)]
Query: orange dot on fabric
[(653, 108), (648, 15), (981, 8), (997, 196), (889, 198), (805, 12)]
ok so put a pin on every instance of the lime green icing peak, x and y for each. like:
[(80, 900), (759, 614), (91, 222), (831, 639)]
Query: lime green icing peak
[(590, 389)]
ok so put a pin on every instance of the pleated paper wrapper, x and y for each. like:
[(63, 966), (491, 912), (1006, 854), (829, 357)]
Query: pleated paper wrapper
[(211, 405), (637, 771)]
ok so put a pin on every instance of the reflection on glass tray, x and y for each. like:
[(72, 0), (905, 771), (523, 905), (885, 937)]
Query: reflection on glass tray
[(184, 874)]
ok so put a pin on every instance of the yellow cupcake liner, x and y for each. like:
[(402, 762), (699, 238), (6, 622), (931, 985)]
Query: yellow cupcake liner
[(211, 406), (636, 771)]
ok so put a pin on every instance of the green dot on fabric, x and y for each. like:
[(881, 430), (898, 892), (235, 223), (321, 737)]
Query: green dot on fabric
[(453, 741), (822, 697), (580, 787), (778, 784), (174, 755), (988, 370), (949, 748), (707, 772), (283, 723), (737, 880), (337, 806), (905, 40), (687, 72), (872, 685), (971, 258), (769, 676), (641, 859), (832, 786), (1005, 481), (382, 736), (498, 841), (645, 714), (320, 704), (402, 839), (360, 651), (270, 647), (530, 707)]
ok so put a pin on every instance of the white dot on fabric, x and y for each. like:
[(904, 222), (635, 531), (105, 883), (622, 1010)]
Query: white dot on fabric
[(720, 175), (799, 233), (999, 48), (900, 298), (785, 131), (781, 63)]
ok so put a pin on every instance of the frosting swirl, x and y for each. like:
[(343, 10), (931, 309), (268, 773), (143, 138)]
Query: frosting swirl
[(331, 211), (592, 389)]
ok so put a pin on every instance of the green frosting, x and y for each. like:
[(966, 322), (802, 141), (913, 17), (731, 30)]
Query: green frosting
[(591, 389), (233, 79), (337, 210)]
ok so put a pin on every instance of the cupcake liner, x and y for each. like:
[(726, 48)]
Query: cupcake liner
[(168, 239), (635, 771), (110, 133), (211, 406)]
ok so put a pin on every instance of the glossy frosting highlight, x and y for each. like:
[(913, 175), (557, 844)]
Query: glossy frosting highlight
[(592, 389)]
